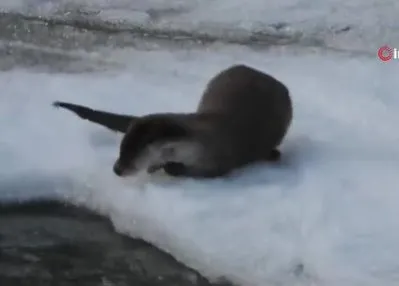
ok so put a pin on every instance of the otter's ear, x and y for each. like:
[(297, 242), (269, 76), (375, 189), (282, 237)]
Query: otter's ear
[(113, 121)]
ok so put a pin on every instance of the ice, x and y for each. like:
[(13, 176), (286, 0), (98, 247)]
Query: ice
[(327, 215), (361, 25)]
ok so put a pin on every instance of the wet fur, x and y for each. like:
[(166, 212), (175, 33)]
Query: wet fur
[(242, 118), (113, 121), (152, 140)]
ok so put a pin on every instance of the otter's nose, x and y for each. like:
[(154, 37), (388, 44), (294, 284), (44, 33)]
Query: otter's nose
[(118, 170)]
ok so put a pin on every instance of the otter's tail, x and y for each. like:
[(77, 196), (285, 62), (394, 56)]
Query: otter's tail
[(116, 122)]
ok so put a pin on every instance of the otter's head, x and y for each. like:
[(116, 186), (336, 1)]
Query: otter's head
[(149, 141)]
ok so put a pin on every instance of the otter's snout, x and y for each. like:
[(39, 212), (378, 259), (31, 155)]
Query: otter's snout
[(118, 170)]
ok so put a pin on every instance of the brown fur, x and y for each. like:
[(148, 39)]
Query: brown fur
[(145, 131), (242, 118), (115, 122)]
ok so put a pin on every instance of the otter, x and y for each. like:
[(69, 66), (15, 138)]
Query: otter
[(115, 122), (242, 118)]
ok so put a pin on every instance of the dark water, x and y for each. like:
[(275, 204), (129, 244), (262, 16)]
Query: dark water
[(49, 243)]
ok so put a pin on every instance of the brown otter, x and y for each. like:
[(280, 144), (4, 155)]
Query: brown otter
[(116, 122), (242, 118)]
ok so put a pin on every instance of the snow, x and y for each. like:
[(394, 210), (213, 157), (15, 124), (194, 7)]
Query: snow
[(330, 206), (362, 25)]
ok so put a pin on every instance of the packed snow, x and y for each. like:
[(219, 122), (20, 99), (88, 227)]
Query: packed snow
[(326, 215)]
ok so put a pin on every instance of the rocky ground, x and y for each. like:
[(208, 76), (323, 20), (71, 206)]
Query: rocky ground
[(49, 243)]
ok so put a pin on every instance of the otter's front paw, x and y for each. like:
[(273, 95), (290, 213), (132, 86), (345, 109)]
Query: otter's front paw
[(175, 169)]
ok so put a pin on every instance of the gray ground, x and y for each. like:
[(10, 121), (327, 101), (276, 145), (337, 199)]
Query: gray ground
[(46, 243)]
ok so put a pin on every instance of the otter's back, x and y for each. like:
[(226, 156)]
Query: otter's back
[(241, 88), (255, 108)]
